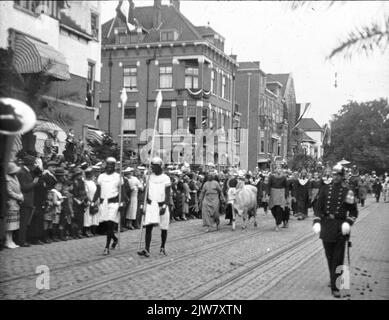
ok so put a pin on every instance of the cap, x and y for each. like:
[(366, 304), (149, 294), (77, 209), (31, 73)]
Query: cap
[(111, 160), (88, 170), (12, 168), (128, 170)]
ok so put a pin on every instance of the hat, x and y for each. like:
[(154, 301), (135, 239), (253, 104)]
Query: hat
[(59, 171), (88, 170), (12, 168), (110, 160), (77, 171), (141, 168), (128, 170), (156, 160), (29, 160), (84, 165), (52, 164)]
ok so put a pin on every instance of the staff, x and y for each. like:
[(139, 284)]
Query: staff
[(158, 102), (123, 99)]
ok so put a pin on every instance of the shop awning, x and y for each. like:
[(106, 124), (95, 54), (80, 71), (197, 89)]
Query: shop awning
[(33, 56)]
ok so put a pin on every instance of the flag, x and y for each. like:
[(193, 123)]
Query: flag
[(307, 105), (125, 12), (123, 97), (158, 100)]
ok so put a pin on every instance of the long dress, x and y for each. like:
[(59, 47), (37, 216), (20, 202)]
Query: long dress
[(89, 219), (132, 209), (210, 199)]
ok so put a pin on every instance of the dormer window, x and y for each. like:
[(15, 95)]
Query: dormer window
[(169, 35)]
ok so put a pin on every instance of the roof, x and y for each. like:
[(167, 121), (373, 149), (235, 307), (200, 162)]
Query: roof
[(309, 124), (307, 138), (279, 77), (171, 18), (205, 31)]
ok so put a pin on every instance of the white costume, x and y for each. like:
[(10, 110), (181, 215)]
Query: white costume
[(110, 185), (156, 194)]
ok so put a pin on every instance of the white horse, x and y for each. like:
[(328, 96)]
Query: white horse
[(245, 204)]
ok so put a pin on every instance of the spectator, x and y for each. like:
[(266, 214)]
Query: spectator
[(14, 199), (27, 182)]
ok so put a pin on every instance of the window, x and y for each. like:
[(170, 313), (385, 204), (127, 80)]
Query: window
[(164, 121), (191, 78), (170, 35), (129, 78), (27, 4), (213, 82), (262, 146), (94, 18), (166, 77), (220, 89), (180, 123), (204, 117), (192, 125), (90, 85), (223, 86), (129, 123), (279, 149)]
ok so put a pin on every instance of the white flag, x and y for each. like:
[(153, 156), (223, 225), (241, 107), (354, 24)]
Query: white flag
[(123, 97), (158, 100)]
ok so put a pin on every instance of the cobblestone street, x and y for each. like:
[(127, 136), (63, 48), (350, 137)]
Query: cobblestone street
[(256, 263)]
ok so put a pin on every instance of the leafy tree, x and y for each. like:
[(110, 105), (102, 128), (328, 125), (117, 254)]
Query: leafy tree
[(360, 134), (364, 39)]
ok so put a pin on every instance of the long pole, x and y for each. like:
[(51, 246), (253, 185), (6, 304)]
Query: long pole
[(123, 98), (158, 102)]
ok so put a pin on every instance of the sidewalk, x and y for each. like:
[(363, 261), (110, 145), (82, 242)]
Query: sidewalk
[(369, 272)]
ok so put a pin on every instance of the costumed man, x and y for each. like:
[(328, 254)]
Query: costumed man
[(336, 213), (301, 193), (107, 196), (157, 206)]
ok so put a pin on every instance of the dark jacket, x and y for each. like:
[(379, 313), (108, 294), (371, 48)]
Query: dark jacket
[(27, 186), (333, 210)]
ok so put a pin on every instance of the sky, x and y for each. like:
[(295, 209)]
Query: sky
[(297, 42)]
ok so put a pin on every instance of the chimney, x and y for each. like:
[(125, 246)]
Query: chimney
[(175, 4), (157, 13)]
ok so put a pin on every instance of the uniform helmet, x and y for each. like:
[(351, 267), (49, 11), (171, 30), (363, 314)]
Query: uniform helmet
[(156, 160), (338, 169)]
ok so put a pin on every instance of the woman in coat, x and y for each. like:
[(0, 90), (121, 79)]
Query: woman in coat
[(363, 190), (14, 199), (210, 199)]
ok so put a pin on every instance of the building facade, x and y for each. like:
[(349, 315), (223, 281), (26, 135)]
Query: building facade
[(263, 115), (59, 42), (165, 52), (312, 137)]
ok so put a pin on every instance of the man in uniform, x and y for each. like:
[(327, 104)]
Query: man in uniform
[(336, 213), (157, 206)]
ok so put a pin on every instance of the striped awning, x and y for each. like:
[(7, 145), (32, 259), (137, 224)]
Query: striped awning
[(95, 135), (32, 56)]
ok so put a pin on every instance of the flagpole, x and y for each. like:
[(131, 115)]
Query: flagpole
[(123, 98)]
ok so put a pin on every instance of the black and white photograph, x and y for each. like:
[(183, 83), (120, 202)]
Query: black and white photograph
[(214, 152)]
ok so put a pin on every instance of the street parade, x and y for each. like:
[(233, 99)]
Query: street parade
[(186, 175)]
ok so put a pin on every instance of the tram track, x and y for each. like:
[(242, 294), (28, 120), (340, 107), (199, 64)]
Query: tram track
[(146, 268), (281, 254)]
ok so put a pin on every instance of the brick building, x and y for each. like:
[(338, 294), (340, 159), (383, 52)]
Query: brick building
[(164, 51), (61, 41), (263, 114)]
